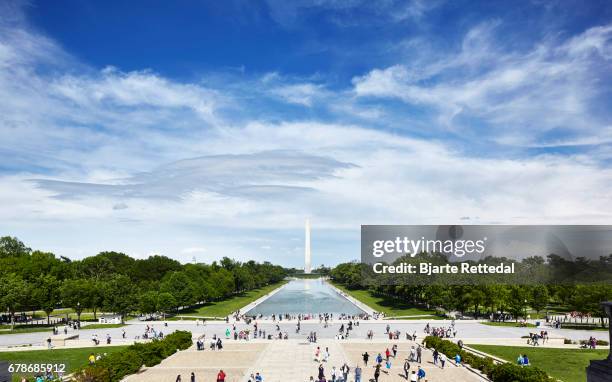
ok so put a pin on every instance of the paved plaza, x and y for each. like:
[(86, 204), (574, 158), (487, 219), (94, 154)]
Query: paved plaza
[(293, 360)]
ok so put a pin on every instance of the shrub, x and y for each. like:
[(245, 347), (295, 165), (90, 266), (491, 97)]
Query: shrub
[(506, 372), (117, 365)]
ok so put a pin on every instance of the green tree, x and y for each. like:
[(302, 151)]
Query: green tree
[(45, 294), (77, 294), (148, 302), (119, 295), (539, 298), (12, 247), (13, 293), (517, 301), (166, 303), (180, 286)]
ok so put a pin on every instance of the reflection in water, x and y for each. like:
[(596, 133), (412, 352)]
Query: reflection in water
[(305, 296)]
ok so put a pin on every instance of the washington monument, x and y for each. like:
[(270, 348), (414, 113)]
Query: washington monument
[(307, 258)]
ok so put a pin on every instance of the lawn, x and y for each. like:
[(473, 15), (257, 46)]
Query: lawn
[(564, 364), (225, 307), (508, 323), (26, 329), (72, 358), (101, 326), (391, 307)]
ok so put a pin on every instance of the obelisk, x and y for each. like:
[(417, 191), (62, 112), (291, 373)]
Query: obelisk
[(307, 258)]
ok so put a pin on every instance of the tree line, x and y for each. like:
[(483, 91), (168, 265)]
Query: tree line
[(115, 282), (489, 297)]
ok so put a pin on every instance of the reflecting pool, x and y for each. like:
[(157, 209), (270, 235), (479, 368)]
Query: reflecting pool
[(305, 296)]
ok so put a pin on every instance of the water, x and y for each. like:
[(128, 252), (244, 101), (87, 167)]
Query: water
[(305, 296)]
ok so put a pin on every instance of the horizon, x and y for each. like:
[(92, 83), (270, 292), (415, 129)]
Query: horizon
[(215, 130)]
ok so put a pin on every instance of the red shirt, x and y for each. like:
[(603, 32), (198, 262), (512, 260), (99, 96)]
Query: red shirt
[(221, 377)]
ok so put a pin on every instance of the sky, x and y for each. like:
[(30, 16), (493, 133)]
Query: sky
[(202, 129)]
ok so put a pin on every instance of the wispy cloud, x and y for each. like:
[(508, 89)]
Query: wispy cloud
[(137, 161)]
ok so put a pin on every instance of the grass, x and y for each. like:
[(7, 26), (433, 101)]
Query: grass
[(508, 323), (26, 329), (565, 364), (102, 326), (391, 307), (72, 358), (232, 304)]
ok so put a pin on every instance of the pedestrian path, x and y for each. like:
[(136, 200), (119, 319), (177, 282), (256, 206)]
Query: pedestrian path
[(295, 360), (235, 359), (433, 372)]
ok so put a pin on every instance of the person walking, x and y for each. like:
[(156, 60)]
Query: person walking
[(406, 368), (442, 360), (365, 357), (321, 375), (192, 378), (334, 374), (345, 372), (394, 349), (178, 378), (221, 376), (413, 376), (357, 373), (376, 372), (420, 374), (419, 353), (436, 354)]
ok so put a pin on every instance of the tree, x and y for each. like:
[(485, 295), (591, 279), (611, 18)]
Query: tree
[(165, 303), (539, 298), (518, 301), (119, 295), (148, 302), (13, 292), (12, 247), (77, 294), (180, 286), (45, 294)]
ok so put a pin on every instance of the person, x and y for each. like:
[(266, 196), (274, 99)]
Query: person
[(49, 343), (519, 360), (317, 354), (123, 333), (321, 374), (413, 376), (379, 359), (406, 368), (436, 354), (326, 355), (178, 378), (420, 374), (345, 371), (221, 376), (376, 372), (394, 348), (192, 378), (334, 374), (258, 377), (357, 373), (387, 354), (412, 354), (418, 352), (457, 359), (388, 365), (365, 357), (442, 360), (92, 359), (525, 360)]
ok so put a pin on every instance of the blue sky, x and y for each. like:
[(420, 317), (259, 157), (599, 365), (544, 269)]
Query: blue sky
[(212, 129)]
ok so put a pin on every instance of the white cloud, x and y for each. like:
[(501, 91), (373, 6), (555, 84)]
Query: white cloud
[(137, 162), (554, 85)]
